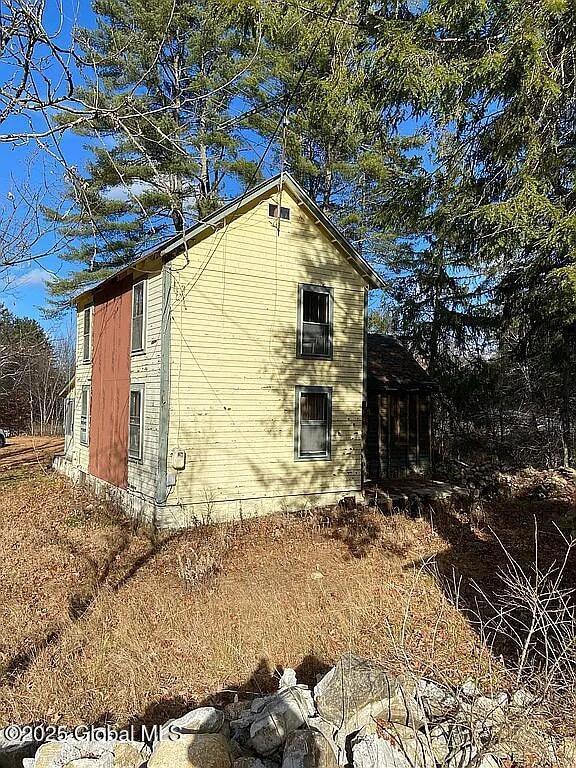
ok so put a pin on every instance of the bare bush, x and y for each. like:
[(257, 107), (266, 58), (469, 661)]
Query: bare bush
[(535, 613), (527, 618), (196, 568)]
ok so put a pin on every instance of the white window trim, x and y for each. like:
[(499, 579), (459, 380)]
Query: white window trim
[(69, 417), (141, 350), (299, 391), (87, 356), (328, 291), (139, 456), (85, 388)]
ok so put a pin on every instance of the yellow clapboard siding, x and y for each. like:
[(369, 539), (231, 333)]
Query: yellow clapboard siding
[(234, 367), (145, 369)]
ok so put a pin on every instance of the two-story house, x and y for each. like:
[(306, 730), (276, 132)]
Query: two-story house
[(224, 374)]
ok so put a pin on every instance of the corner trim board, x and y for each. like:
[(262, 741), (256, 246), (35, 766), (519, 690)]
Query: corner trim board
[(162, 470)]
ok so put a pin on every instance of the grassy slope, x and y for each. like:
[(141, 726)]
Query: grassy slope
[(104, 622)]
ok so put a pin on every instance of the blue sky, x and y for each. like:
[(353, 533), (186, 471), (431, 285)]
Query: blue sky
[(27, 294), (28, 166)]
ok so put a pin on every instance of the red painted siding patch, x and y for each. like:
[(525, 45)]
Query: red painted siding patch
[(110, 393)]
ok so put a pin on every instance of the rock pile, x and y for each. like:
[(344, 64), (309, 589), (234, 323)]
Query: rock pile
[(485, 480), (491, 480), (358, 715)]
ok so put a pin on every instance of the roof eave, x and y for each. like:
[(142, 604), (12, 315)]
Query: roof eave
[(68, 388), (167, 250), (359, 262), (133, 265)]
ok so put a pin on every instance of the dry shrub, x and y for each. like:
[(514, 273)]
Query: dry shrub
[(528, 618), (196, 569), (199, 566)]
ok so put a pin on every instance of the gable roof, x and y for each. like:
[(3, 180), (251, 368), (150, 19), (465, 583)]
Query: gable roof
[(392, 366), (170, 247), (69, 386)]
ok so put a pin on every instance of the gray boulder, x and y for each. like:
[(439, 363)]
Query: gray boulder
[(486, 713), (403, 747), (288, 678), (413, 744), (351, 686), (374, 752), (193, 750), (437, 702), (277, 716), (404, 708), (469, 689), (79, 753), (453, 744), (201, 720), (308, 749), (236, 709)]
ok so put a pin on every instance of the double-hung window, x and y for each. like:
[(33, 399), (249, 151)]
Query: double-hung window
[(135, 434), (69, 416), (315, 311), (85, 415), (313, 423), (86, 335), (138, 315)]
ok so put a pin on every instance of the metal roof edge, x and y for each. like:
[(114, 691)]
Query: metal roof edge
[(177, 241)]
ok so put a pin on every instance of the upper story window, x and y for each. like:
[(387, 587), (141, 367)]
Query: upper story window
[(138, 315), (273, 210), (87, 335), (313, 422), (315, 310)]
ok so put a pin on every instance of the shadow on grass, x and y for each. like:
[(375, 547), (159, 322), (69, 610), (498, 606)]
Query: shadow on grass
[(480, 551), (263, 681), (79, 604)]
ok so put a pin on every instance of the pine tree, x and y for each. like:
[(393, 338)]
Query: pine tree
[(339, 142), (164, 141), (495, 81), (516, 126)]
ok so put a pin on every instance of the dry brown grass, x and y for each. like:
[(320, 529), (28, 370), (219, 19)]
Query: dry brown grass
[(99, 621)]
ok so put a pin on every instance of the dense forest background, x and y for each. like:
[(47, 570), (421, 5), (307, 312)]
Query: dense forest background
[(33, 370), (439, 135)]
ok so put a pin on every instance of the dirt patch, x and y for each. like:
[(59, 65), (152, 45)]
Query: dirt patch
[(22, 457)]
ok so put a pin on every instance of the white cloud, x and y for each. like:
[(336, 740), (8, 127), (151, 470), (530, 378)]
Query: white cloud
[(122, 193), (36, 276)]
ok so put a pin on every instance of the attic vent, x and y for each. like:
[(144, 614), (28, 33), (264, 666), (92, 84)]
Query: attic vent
[(273, 212)]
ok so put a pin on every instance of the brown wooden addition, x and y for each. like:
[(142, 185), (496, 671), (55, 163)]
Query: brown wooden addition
[(398, 423)]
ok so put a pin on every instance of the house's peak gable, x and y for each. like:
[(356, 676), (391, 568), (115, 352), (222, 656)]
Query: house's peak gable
[(264, 190), (236, 208)]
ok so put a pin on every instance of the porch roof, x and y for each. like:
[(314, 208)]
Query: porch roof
[(393, 367)]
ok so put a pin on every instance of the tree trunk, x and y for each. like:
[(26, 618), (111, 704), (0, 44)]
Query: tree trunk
[(566, 415)]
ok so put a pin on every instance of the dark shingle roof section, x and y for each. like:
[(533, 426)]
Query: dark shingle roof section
[(392, 366)]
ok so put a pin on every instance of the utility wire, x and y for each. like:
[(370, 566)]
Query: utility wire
[(279, 125)]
